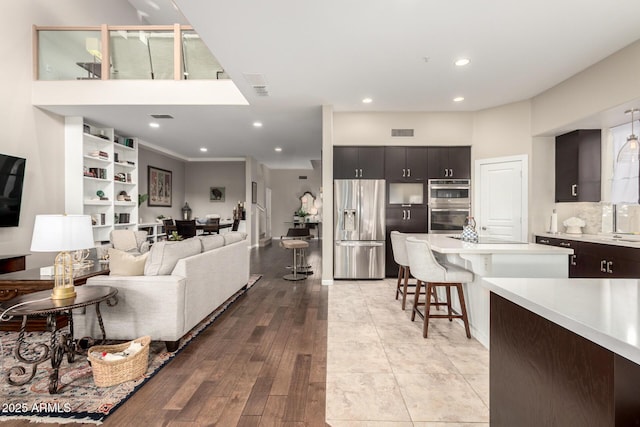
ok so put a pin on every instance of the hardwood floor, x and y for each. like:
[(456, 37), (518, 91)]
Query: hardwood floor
[(262, 363)]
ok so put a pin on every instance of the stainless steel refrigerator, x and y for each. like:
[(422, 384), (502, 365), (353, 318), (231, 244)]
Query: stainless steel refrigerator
[(359, 220)]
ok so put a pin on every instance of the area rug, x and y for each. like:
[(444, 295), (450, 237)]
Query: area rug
[(78, 399)]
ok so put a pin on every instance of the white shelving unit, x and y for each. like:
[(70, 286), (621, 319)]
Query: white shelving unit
[(155, 230), (99, 168)]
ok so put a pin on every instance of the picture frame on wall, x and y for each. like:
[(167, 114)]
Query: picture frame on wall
[(217, 194), (159, 187), (254, 192)]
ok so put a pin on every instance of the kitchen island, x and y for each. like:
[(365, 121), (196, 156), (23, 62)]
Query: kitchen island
[(564, 352), (495, 258)]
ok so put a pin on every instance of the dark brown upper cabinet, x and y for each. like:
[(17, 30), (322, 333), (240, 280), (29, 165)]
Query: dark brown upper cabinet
[(449, 162), (578, 166), (405, 164), (358, 162)]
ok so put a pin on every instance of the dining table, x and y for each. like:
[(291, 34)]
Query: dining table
[(206, 228)]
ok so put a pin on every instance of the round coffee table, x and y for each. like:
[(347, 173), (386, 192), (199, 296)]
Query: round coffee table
[(61, 343)]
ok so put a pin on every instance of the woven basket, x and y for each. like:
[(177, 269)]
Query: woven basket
[(111, 372)]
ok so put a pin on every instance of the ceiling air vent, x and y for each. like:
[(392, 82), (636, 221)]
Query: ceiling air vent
[(162, 116), (402, 133), (258, 83)]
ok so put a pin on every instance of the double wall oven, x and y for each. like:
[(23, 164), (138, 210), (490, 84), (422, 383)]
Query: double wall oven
[(449, 205)]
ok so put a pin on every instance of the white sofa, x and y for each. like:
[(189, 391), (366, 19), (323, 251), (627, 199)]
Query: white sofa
[(169, 300)]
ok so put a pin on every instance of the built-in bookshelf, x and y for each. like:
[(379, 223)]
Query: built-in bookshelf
[(101, 176)]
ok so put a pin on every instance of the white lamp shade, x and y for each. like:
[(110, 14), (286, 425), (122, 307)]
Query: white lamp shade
[(55, 233)]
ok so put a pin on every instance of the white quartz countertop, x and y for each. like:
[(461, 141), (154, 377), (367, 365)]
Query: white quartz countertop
[(444, 244), (605, 311), (628, 240)]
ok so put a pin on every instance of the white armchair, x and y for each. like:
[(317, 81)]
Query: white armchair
[(131, 241)]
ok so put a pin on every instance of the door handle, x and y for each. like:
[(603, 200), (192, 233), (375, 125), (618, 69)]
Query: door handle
[(602, 266), (573, 259), (574, 190), (409, 173), (404, 214), (404, 171), (409, 214), (609, 265), (446, 172)]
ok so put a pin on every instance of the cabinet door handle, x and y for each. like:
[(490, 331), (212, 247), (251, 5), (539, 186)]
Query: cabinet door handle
[(408, 214), (446, 172), (404, 214), (451, 172), (609, 265), (409, 173), (602, 266), (356, 172), (544, 241), (574, 190), (565, 244), (404, 173), (573, 260)]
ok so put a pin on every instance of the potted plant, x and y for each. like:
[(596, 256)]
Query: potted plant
[(142, 198)]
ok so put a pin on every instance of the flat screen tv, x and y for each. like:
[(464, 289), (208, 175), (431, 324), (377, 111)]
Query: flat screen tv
[(11, 180)]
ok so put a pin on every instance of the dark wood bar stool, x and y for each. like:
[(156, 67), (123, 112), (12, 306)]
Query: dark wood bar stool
[(432, 275)]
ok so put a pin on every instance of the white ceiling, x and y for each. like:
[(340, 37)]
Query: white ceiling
[(337, 52)]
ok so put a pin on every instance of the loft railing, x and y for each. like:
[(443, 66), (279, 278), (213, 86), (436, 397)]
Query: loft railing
[(150, 52)]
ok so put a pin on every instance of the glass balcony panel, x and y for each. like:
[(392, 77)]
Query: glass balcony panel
[(141, 55), (69, 55), (197, 60)]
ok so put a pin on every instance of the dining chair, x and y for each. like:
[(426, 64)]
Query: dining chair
[(430, 273), (399, 249), (186, 229), (212, 226)]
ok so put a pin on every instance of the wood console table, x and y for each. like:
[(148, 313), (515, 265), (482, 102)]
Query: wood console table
[(28, 281)]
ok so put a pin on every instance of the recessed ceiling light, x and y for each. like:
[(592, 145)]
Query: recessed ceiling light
[(278, 149), (257, 124), (203, 149), (154, 125), (367, 101), (458, 99), (462, 62)]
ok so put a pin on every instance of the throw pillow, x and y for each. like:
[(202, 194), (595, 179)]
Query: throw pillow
[(164, 255), (125, 264), (211, 242), (234, 236)]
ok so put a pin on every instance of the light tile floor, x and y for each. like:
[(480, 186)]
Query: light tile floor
[(382, 373)]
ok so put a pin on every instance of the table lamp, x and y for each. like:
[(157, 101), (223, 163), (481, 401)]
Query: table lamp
[(62, 233)]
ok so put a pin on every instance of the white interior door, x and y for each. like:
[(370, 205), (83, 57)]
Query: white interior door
[(501, 197)]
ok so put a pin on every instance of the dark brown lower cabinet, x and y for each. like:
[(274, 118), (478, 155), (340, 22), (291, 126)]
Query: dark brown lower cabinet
[(405, 220), (542, 374), (596, 260)]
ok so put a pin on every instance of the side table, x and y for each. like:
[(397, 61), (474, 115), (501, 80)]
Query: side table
[(61, 343)]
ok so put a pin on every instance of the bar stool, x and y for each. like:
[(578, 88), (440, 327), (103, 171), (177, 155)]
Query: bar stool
[(300, 233), (399, 248), (296, 246), (428, 271)]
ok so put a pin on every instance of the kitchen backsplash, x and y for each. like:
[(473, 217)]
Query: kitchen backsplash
[(598, 217)]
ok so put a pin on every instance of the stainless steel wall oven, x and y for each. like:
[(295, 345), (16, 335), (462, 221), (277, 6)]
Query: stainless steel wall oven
[(449, 205)]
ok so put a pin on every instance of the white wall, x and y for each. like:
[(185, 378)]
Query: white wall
[(28, 132)]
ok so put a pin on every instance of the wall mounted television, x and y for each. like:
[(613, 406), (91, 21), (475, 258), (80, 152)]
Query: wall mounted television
[(11, 180)]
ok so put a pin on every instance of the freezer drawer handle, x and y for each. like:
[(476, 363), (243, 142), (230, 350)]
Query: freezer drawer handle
[(360, 244)]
